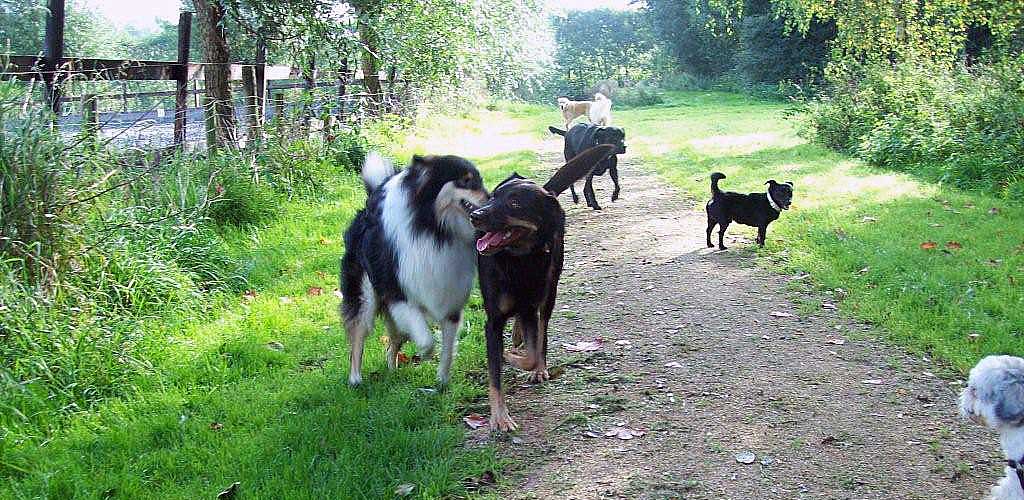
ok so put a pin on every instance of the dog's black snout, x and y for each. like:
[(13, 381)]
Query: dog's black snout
[(478, 215)]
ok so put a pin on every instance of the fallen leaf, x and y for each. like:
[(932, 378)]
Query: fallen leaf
[(970, 205), (673, 364), (385, 340), (321, 275), (624, 433), (953, 245), (869, 219), (275, 345), (780, 314), (286, 300), (928, 245), (622, 342), (828, 305), (873, 381), (230, 492), (475, 420), (973, 336), (249, 295), (404, 490), (337, 293), (864, 270), (745, 457), (403, 358), (314, 291), (216, 426), (591, 434), (583, 346), (324, 241), (836, 341), (935, 224)]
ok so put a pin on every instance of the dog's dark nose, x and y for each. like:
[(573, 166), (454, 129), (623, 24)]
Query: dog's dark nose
[(478, 215)]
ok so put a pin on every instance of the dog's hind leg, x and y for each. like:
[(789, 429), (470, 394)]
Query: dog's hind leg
[(613, 172), (762, 233), (357, 326), (449, 335), (711, 227), (575, 198), (410, 320), (722, 226), (533, 361), (395, 340)]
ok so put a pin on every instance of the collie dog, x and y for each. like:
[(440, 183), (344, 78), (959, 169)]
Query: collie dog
[(410, 255)]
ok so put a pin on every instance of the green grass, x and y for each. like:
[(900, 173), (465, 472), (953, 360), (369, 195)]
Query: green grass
[(855, 227), (252, 390)]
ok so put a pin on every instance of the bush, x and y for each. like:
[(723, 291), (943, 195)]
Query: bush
[(641, 95), (960, 125)]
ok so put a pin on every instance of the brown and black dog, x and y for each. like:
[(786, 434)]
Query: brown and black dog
[(521, 241)]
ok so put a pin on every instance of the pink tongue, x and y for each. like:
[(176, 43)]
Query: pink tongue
[(488, 239)]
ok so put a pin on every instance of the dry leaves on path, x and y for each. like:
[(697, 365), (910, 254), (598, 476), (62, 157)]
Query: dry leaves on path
[(780, 314), (584, 346), (624, 433), (475, 420), (929, 245)]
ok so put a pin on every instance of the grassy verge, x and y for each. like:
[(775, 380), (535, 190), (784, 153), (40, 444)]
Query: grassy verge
[(251, 390), (857, 230)]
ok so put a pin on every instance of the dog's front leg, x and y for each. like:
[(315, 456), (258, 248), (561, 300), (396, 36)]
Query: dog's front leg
[(575, 199), (762, 233), (500, 418), (449, 333), (613, 172), (711, 227), (722, 226), (588, 193)]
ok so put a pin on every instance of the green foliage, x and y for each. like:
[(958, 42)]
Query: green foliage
[(640, 95), (601, 44), (959, 125)]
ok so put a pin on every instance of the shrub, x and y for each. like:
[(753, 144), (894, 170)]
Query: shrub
[(641, 95), (959, 125)]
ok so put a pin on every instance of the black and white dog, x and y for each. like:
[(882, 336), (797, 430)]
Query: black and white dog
[(754, 209), (585, 136), (410, 254)]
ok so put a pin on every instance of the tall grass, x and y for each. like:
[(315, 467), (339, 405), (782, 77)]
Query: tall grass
[(96, 245)]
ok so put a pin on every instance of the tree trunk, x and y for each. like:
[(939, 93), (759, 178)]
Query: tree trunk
[(370, 50), (217, 69)]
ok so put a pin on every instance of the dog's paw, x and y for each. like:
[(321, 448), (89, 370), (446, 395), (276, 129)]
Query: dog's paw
[(503, 422), (723, 247), (538, 376), (615, 197)]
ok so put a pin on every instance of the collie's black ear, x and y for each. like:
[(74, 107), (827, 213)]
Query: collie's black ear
[(770, 182), (556, 131), (514, 176), (577, 168), (790, 183)]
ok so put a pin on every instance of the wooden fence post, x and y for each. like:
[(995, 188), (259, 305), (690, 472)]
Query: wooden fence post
[(210, 121), (261, 77), (251, 107), (181, 75), (342, 91), (90, 117), (279, 112), (53, 51)]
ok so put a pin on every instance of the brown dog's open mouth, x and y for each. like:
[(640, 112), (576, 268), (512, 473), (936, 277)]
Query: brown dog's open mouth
[(493, 241)]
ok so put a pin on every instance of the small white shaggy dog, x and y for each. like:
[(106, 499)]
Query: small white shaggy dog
[(598, 111), (995, 397)]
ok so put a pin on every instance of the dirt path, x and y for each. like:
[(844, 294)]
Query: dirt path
[(692, 355)]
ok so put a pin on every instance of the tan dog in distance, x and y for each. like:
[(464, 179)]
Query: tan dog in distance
[(598, 111)]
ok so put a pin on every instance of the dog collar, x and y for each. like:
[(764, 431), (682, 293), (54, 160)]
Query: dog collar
[(1018, 467), (775, 206)]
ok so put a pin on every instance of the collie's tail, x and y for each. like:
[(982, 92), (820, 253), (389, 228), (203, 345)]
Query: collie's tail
[(558, 131), (376, 170)]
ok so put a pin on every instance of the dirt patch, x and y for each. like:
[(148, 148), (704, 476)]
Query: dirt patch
[(712, 359)]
